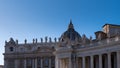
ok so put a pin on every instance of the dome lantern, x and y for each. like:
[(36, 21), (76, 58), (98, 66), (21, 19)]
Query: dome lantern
[(70, 25)]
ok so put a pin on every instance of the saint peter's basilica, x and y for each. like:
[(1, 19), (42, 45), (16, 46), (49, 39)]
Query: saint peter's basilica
[(71, 50)]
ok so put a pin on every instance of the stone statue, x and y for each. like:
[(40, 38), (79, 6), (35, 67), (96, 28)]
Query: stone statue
[(59, 39), (50, 40), (36, 40), (25, 41), (11, 41), (5, 42), (55, 39), (84, 38), (46, 39), (33, 40), (41, 40), (90, 39), (16, 41)]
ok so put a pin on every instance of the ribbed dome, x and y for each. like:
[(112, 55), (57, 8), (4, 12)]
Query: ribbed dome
[(70, 35)]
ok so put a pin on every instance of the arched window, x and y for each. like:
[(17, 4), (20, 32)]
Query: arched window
[(11, 48)]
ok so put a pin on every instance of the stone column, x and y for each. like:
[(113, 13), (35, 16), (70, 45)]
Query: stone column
[(25, 63), (67, 63), (41, 62), (100, 61), (64, 63), (83, 62), (35, 62), (106, 61), (16, 63), (70, 62), (109, 60), (80, 62), (77, 62), (57, 62), (91, 61), (49, 62), (61, 63), (118, 59), (97, 61)]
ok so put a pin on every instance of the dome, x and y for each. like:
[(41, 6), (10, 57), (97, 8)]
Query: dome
[(70, 35)]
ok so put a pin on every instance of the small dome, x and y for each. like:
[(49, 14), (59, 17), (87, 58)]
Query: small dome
[(70, 35)]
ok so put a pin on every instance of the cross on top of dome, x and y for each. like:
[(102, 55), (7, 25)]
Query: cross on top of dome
[(70, 25)]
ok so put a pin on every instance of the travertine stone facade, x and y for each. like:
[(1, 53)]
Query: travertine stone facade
[(71, 50)]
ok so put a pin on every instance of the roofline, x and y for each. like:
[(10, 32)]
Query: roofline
[(111, 25), (99, 32)]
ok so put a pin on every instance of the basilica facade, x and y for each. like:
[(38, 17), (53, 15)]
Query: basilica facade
[(71, 50)]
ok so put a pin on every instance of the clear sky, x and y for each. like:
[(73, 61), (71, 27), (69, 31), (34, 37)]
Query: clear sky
[(30, 19)]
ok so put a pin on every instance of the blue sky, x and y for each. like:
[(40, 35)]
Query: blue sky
[(30, 19)]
